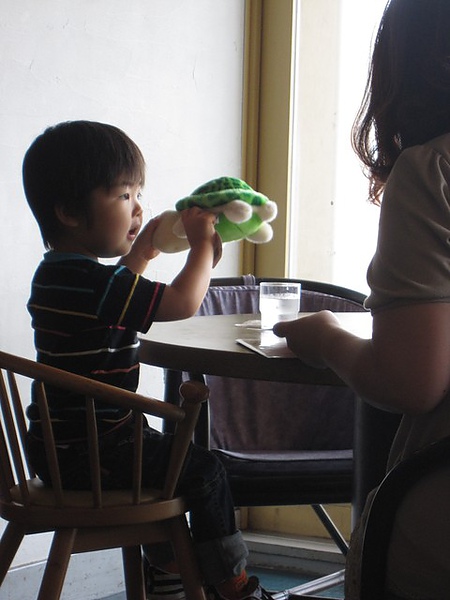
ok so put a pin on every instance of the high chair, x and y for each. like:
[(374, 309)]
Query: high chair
[(93, 519)]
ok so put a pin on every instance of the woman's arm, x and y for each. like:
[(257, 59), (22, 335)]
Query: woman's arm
[(405, 367)]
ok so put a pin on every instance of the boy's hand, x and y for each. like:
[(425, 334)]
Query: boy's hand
[(199, 227), (142, 249), (217, 249), (143, 244)]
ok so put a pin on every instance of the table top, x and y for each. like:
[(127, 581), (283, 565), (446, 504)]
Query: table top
[(208, 345)]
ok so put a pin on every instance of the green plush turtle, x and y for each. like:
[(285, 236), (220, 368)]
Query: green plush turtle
[(242, 213)]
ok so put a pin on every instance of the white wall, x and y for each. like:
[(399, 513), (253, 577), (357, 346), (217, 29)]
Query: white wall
[(168, 72), (356, 223)]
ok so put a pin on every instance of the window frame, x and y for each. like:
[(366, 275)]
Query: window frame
[(267, 124)]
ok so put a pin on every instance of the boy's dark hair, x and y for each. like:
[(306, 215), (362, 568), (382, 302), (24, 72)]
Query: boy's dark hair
[(407, 97), (68, 161)]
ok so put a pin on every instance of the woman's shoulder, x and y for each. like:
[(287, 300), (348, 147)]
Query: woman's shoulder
[(426, 164), (440, 144), (439, 147)]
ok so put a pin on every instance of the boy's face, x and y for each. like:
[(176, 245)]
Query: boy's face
[(113, 223), (115, 219)]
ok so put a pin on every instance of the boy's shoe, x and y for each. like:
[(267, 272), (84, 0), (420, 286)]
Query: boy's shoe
[(162, 585), (252, 591)]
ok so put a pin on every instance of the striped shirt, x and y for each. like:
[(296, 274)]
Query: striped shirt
[(86, 316)]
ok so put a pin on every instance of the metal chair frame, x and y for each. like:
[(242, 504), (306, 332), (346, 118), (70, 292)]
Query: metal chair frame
[(203, 426)]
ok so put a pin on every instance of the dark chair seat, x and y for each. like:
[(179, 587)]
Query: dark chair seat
[(271, 478)]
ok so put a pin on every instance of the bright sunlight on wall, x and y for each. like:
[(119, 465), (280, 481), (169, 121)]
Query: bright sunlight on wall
[(334, 228)]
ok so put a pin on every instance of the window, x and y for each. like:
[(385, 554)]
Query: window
[(332, 226), (326, 229)]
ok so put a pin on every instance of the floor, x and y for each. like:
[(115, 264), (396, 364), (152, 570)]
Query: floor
[(273, 580)]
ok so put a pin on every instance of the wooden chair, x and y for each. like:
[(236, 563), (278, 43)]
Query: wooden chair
[(94, 519)]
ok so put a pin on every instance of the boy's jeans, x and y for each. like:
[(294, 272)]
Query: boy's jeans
[(220, 548)]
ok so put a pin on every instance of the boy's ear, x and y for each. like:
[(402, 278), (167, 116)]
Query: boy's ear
[(65, 217)]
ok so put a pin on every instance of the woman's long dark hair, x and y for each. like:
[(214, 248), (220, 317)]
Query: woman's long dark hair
[(407, 96)]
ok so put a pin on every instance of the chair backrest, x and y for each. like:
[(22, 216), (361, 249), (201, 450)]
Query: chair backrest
[(237, 295), (254, 415), (16, 476), (388, 497)]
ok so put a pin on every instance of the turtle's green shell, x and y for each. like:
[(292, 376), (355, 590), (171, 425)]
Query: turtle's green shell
[(222, 183), (221, 191)]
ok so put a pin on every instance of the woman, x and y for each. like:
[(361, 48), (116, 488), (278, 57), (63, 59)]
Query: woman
[(402, 136)]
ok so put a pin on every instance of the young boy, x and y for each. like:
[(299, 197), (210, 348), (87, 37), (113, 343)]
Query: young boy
[(83, 182)]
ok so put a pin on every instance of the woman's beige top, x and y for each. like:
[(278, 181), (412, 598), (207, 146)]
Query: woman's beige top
[(412, 264)]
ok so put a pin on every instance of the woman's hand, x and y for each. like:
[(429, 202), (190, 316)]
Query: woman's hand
[(306, 336)]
